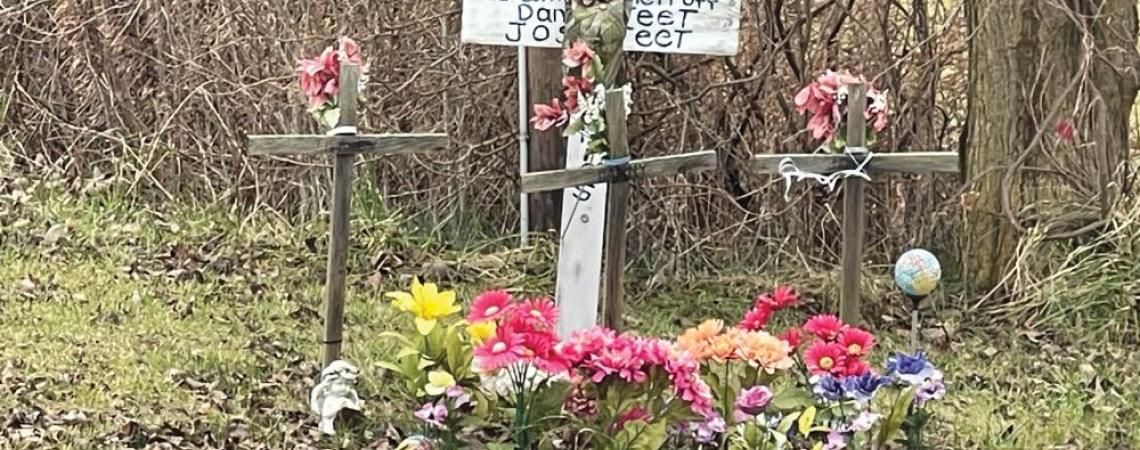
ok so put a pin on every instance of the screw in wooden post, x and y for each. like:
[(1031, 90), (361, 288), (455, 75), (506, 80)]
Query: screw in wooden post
[(618, 137), (338, 228), (854, 214)]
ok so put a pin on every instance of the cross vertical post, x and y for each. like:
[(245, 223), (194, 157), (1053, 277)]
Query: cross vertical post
[(343, 143), (338, 227), (618, 137), (854, 214)]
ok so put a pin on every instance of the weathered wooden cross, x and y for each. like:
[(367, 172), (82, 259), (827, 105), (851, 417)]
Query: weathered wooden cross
[(344, 147), (583, 313), (854, 196), (705, 27)]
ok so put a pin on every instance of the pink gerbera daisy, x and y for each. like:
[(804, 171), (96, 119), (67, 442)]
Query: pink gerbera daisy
[(792, 337), (756, 318), (825, 357), (856, 341), (825, 326), (489, 305), (501, 350), (534, 314)]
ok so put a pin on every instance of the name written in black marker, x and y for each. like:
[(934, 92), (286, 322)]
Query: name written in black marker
[(540, 20)]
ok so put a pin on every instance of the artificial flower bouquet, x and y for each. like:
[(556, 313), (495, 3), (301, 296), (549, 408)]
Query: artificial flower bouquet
[(830, 398), (825, 99), (319, 77), (583, 108), (500, 378)]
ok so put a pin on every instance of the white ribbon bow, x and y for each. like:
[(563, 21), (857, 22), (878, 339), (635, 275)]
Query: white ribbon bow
[(791, 173)]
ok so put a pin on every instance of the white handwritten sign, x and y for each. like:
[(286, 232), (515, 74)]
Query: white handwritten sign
[(707, 27)]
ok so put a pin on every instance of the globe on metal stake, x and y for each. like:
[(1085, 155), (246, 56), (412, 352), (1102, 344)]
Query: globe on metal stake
[(917, 273)]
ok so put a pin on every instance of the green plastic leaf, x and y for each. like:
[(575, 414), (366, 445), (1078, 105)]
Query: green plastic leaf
[(406, 352), (397, 336), (898, 414), (787, 422), (791, 399), (806, 420)]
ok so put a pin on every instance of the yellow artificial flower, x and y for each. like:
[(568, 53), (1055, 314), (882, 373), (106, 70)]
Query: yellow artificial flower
[(426, 303), (481, 331), (438, 382)]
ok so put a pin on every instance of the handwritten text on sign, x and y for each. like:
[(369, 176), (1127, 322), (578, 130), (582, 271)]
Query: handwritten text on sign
[(708, 27)]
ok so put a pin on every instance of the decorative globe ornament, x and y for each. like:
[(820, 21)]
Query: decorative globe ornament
[(917, 273)]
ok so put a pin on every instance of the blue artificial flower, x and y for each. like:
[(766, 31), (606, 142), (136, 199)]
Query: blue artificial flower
[(912, 370), (828, 387), (862, 388)]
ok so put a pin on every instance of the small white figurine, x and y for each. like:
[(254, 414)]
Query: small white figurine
[(335, 392)]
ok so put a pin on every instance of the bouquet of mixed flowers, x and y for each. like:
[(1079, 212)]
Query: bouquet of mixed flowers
[(320, 79), (500, 378), (583, 109), (825, 99), (829, 400)]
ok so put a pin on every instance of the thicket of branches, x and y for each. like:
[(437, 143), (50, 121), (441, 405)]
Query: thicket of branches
[(162, 93)]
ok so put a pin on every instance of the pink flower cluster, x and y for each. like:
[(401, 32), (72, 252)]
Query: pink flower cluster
[(320, 75), (557, 113), (766, 305), (826, 100), (596, 354), (839, 348), (524, 332)]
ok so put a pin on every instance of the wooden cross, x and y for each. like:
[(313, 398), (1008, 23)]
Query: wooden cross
[(617, 176), (854, 196), (344, 147)]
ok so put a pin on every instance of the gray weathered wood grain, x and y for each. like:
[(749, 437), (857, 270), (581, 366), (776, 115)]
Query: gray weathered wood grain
[(639, 168), (378, 144), (913, 162)]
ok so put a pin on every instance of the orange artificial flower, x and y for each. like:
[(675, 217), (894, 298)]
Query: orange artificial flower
[(765, 351), (696, 341)]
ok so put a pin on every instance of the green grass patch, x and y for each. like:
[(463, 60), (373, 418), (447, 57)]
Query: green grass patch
[(127, 326)]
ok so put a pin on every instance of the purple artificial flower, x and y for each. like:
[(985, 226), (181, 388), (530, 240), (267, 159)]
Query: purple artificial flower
[(913, 370), (862, 388), (828, 387), (460, 396), (432, 414), (934, 389), (835, 441), (751, 402), (705, 431), (863, 422)]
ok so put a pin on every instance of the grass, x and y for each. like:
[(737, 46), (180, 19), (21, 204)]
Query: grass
[(191, 327)]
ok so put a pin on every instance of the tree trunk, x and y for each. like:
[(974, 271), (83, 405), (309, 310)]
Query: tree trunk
[(547, 150), (1035, 64)]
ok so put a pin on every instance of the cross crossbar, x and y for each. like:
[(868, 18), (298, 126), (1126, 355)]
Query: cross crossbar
[(380, 144), (911, 162), (637, 169)]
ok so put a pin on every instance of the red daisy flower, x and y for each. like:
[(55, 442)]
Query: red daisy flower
[(489, 305), (792, 337), (755, 319), (784, 296), (855, 367), (825, 357), (501, 350), (856, 341), (825, 326)]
